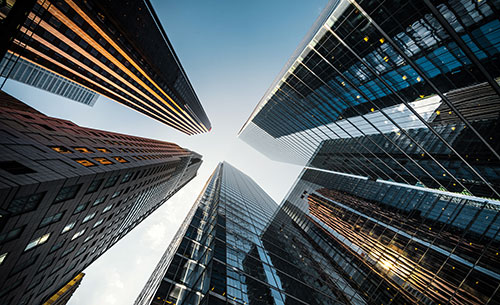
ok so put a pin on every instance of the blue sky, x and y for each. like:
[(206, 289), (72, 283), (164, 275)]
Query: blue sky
[(231, 50)]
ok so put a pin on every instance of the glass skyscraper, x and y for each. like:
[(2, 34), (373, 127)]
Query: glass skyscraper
[(237, 247), (401, 91), (393, 108), (120, 51)]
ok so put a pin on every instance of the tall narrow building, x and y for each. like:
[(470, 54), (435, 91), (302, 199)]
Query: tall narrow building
[(237, 247), (119, 50), (399, 91), (69, 193)]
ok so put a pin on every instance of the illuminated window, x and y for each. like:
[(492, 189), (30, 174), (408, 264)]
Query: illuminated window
[(2, 257), (61, 149), (85, 162), (120, 159), (78, 234), (103, 160), (116, 194), (107, 208), (88, 217), (88, 238), (37, 241), (84, 150), (68, 227), (104, 150), (98, 223)]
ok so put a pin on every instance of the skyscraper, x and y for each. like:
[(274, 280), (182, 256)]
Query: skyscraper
[(393, 108), (237, 247), (69, 193), (64, 294), (120, 51), (31, 74), (402, 244), (399, 91)]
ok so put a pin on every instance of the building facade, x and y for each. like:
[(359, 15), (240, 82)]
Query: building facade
[(95, 44), (68, 193), (237, 247), (26, 72), (401, 244), (393, 107), (64, 294), (399, 91)]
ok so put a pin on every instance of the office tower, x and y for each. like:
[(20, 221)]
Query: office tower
[(119, 51), (401, 244), (64, 294), (26, 72), (69, 193), (236, 247), (399, 91)]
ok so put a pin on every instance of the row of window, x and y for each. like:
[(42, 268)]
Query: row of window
[(85, 150)]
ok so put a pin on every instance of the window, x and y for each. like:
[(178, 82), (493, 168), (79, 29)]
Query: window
[(111, 181), (81, 250), (61, 149), (37, 241), (78, 234), (120, 159), (51, 219), (99, 200), (88, 238), (127, 177), (88, 217), (25, 204), (104, 150), (15, 168), (107, 208), (116, 194), (98, 223), (3, 256), (84, 150), (103, 161), (68, 250), (85, 162), (12, 234), (94, 186), (57, 246), (68, 227), (68, 192)]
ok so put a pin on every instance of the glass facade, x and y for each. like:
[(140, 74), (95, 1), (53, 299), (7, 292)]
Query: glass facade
[(393, 108), (399, 244), (237, 247), (393, 90), (23, 71), (94, 44)]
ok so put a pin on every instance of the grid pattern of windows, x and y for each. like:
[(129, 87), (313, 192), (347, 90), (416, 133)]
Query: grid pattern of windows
[(234, 248), (139, 70), (396, 91)]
